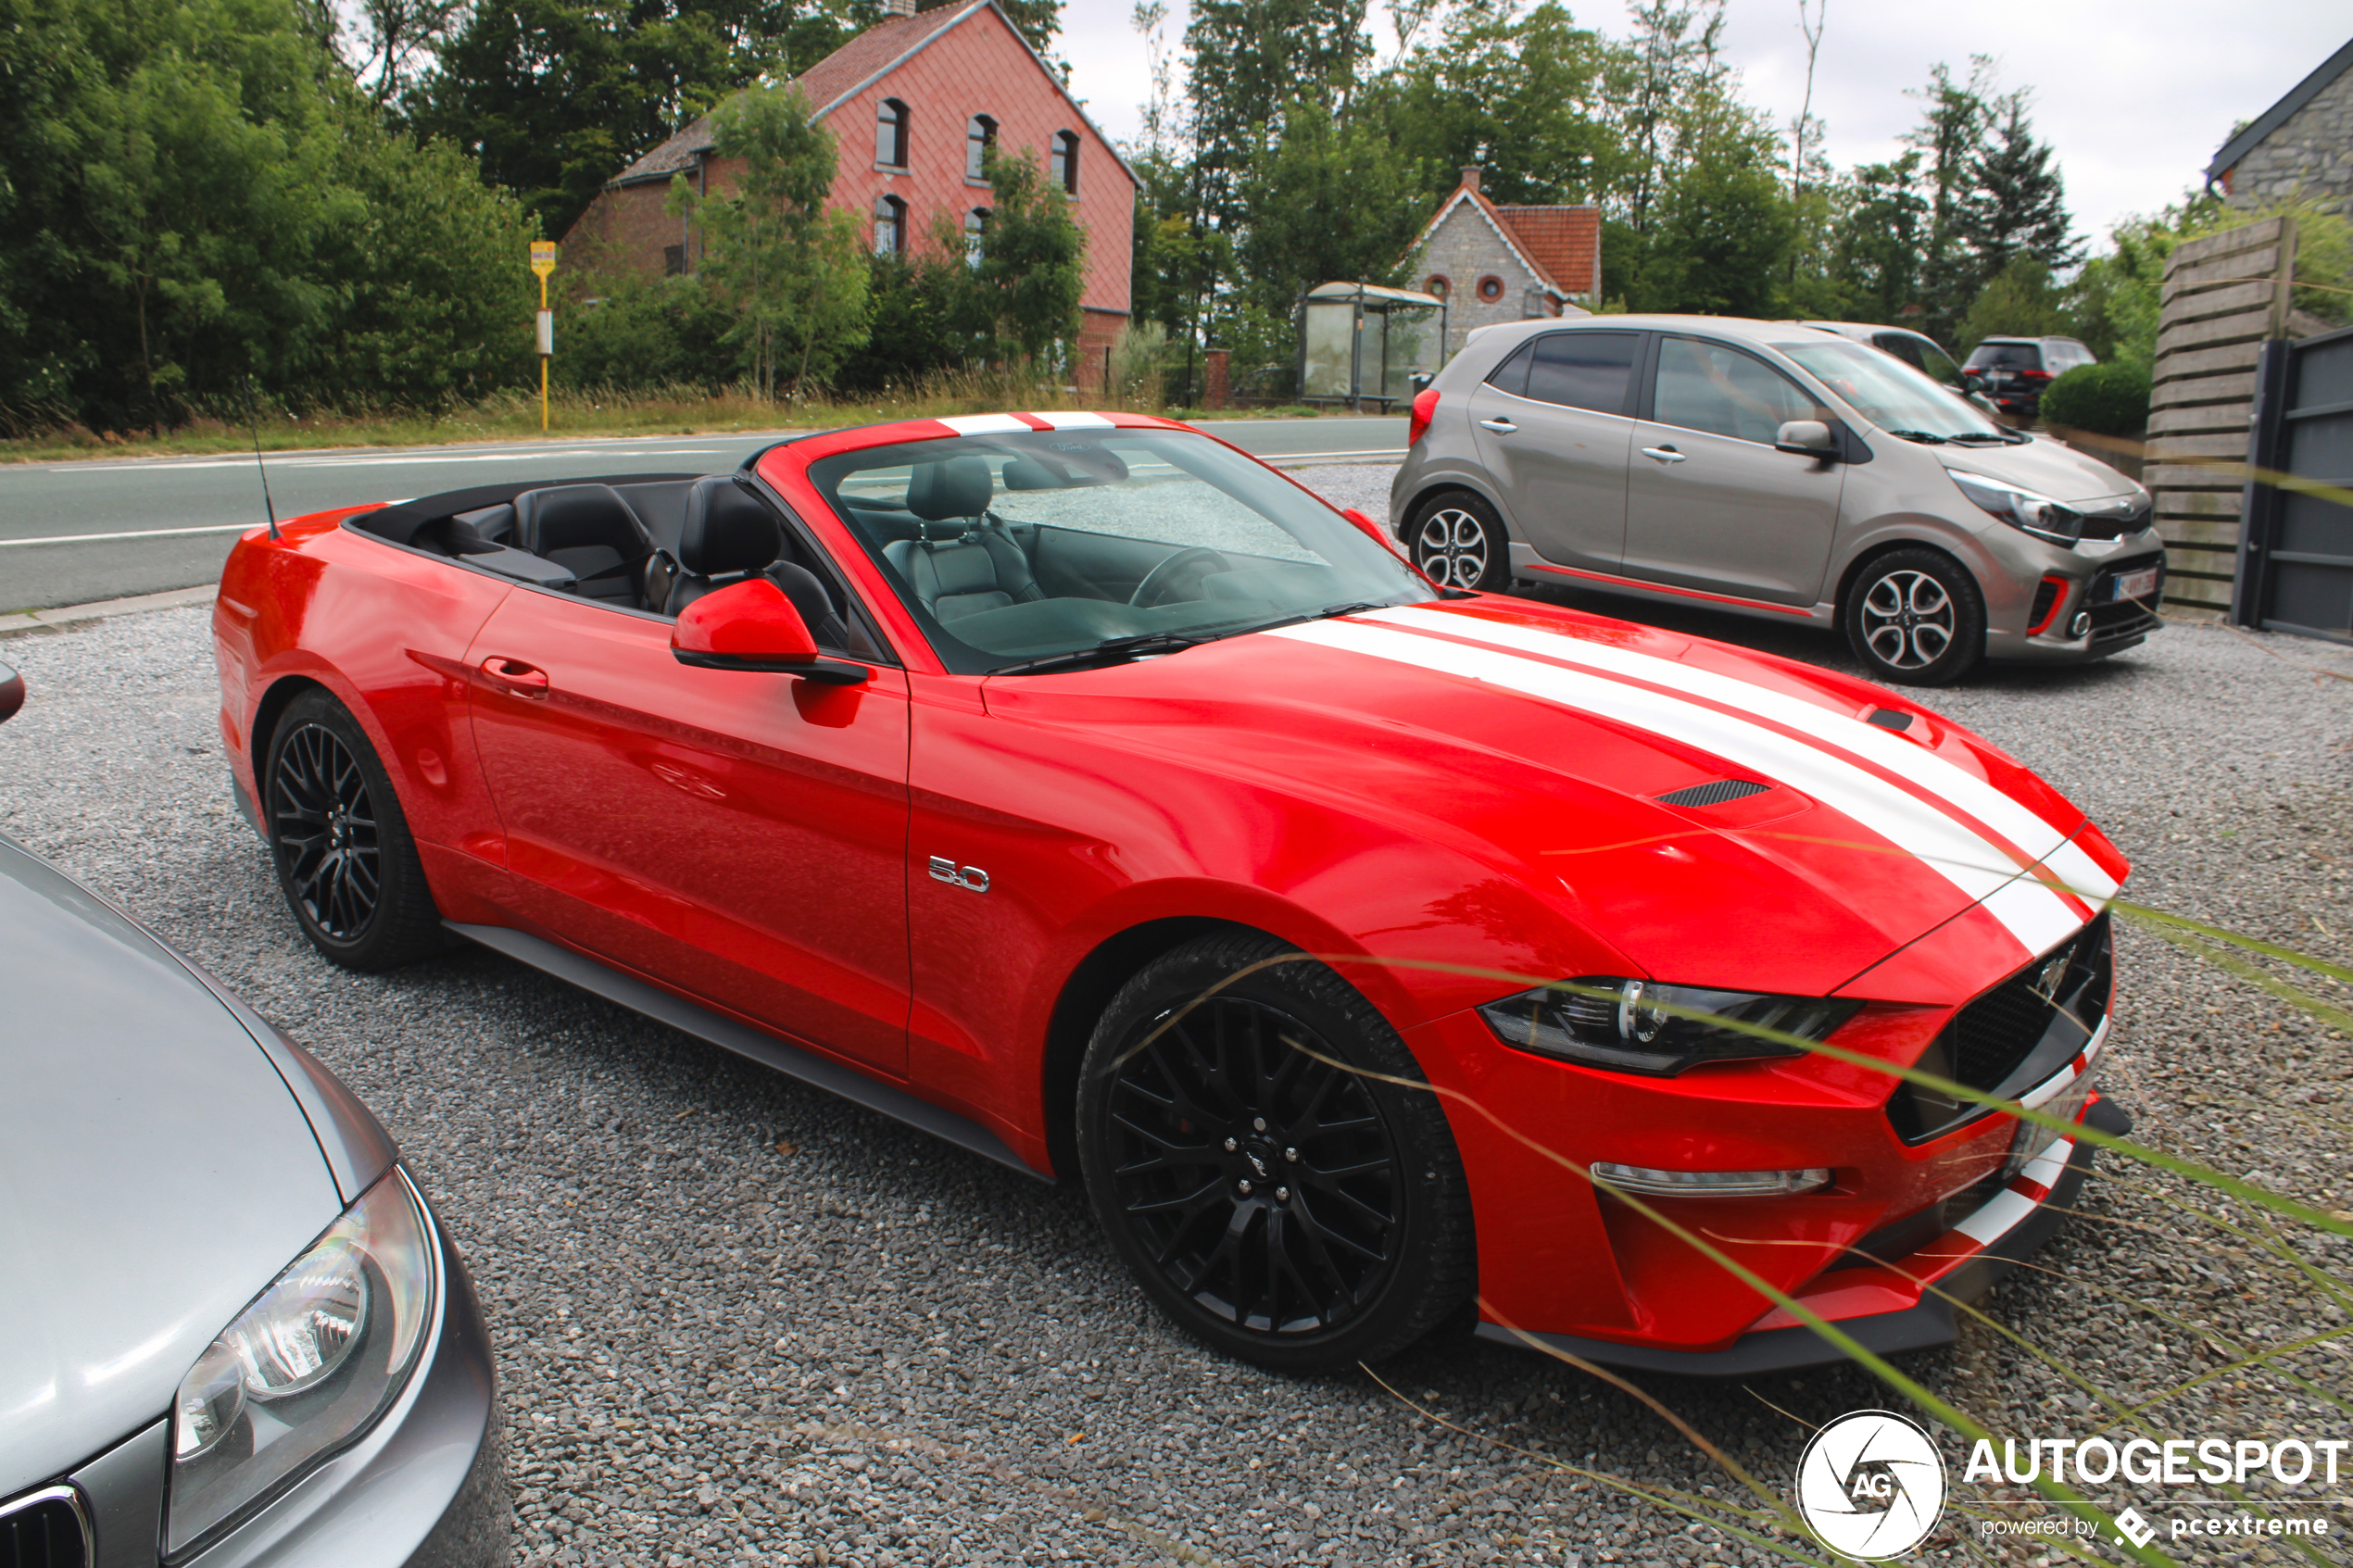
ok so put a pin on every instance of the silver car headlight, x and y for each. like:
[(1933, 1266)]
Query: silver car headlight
[(2030, 512), (307, 1368)]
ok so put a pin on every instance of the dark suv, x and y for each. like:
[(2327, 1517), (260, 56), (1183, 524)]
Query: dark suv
[(2014, 370)]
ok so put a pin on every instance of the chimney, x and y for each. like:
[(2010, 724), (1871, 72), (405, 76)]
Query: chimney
[(899, 8), (1470, 177)]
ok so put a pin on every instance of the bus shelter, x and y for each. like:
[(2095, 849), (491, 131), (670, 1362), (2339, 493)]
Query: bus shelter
[(1362, 343)]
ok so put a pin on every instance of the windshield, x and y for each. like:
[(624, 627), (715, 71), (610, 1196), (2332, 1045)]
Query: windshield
[(1016, 547), (1891, 393)]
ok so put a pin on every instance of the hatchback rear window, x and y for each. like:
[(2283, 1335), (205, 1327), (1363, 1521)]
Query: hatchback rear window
[(2018, 355)]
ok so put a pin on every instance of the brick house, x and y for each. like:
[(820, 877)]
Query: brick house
[(1492, 263), (912, 102), (2300, 146)]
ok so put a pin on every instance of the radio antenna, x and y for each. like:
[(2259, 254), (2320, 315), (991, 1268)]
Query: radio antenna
[(253, 423)]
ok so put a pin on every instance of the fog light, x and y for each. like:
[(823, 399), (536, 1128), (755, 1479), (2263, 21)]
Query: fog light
[(1708, 1183), (2082, 625)]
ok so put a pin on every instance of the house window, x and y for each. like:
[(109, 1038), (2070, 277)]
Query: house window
[(1490, 289), (674, 260), (1062, 161), (890, 133), (1437, 284), (976, 232), (890, 226), (980, 134)]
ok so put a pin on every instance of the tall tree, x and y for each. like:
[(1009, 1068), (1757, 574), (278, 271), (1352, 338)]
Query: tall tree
[(554, 97), (2017, 204), (794, 275), (1674, 65), (1949, 138), (1881, 239), (1023, 282), (1519, 93)]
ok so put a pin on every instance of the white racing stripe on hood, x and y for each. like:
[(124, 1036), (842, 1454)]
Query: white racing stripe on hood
[(2077, 871), (2034, 915)]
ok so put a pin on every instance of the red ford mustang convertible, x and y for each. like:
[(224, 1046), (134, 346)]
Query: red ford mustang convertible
[(1086, 793)]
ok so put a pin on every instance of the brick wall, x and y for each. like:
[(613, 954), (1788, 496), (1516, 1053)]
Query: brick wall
[(1463, 249)]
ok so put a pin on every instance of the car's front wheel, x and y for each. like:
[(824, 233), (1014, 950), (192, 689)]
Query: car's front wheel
[(1916, 618), (1458, 542), (344, 857), (1257, 1141)]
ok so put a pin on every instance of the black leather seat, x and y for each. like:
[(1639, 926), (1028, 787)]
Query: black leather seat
[(729, 536), (978, 568), (589, 531)]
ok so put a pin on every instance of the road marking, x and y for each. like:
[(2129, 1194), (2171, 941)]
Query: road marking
[(133, 533)]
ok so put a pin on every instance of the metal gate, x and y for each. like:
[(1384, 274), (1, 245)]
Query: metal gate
[(2295, 555)]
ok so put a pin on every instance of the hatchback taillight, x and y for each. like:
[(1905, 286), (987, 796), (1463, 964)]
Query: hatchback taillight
[(2034, 375), (1425, 405)]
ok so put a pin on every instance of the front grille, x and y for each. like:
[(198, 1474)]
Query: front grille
[(2115, 520), (43, 1530), (2014, 1036), (1715, 792)]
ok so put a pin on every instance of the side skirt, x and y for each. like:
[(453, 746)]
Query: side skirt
[(745, 1041)]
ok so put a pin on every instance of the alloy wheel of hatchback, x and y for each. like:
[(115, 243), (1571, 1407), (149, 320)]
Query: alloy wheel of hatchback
[(1458, 542), (340, 843), (1916, 617), (1266, 1187)]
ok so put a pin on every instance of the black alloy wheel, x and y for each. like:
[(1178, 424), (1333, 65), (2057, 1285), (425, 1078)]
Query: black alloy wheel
[(1267, 1187), (1916, 618), (1458, 541), (344, 857)]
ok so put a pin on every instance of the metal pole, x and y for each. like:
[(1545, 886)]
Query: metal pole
[(543, 356)]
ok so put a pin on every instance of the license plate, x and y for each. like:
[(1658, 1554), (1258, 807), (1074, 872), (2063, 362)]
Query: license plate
[(2032, 1138), (2136, 584)]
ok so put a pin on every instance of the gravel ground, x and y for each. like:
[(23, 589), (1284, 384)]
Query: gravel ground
[(738, 1320)]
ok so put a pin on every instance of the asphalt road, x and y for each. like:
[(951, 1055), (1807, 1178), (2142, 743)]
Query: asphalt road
[(78, 531)]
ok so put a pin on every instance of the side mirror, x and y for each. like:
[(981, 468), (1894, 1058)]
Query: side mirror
[(752, 626), (1972, 382), (1388, 540), (1805, 438), (11, 692)]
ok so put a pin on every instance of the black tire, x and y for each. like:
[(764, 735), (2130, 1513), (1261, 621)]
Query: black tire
[(344, 857), (1916, 618), (1459, 542), (1277, 1205)]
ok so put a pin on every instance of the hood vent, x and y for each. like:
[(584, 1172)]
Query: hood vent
[(1715, 792), (1889, 719)]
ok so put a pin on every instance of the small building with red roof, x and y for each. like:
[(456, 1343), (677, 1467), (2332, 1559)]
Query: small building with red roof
[(912, 102), (1492, 263)]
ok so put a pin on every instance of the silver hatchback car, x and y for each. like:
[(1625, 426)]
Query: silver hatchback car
[(1776, 470)]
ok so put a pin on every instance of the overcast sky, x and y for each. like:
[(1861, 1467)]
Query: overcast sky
[(2135, 95)]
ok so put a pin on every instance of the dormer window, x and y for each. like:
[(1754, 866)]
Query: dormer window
[(890, 134), (1062, 161), (980, 134), (890, 226)]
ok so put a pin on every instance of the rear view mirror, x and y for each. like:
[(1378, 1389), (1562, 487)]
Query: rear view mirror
[(11, 692), (1805, 438), (753, 626)]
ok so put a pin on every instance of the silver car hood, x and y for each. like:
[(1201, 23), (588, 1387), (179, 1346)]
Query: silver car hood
[(2060, 473), (155, 1172)]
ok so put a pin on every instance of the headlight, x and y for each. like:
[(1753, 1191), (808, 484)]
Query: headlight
[(307, 1367), (1643, 1026), (2027, 510)]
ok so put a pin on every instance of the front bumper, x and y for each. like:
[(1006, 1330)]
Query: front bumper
[(1868, 1301), (425, 1487)]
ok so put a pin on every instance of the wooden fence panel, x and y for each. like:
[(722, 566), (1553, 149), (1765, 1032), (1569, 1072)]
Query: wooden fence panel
[(2222, 296)]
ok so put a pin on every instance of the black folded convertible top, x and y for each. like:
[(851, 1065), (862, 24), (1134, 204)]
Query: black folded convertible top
[(399, 523)]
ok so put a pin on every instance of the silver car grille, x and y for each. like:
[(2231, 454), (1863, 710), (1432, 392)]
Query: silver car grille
[(44, 1530)]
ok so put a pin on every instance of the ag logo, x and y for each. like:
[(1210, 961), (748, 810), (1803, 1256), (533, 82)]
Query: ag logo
[(1871, 1486)]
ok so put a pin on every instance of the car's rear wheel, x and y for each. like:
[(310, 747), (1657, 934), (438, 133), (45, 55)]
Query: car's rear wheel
[(344, 857), (1458, 542), (1254, 1141), (1916, 618)]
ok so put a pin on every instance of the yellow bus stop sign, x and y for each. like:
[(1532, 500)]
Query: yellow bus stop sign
[(542, 257)]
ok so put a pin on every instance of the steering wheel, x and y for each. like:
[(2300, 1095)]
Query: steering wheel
[(1148, 593)]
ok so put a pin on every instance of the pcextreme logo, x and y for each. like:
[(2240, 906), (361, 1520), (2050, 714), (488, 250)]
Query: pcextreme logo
[(1871, 1486)]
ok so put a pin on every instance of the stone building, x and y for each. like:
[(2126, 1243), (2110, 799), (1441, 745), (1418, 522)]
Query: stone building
[(1492, 263), (912, 103), (2300, 146)]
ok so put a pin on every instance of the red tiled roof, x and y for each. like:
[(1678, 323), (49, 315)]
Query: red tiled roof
[(1563, 241), (825, 83)]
